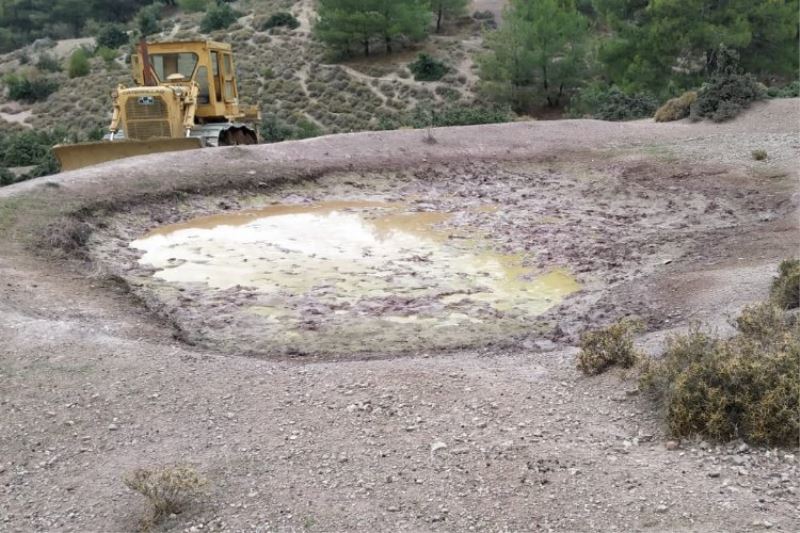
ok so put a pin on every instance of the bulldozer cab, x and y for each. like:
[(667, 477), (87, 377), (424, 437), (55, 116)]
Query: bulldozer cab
[(207, 63)]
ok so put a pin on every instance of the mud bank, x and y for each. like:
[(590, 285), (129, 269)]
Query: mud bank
[(602, 228)]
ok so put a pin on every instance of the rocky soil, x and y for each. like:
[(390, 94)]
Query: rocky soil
[(93, 384)]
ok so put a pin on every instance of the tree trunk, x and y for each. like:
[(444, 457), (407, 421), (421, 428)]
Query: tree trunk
[(439, 18), (366, 47), (388, 44)]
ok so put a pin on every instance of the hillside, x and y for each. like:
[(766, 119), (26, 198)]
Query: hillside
[(282, 70)]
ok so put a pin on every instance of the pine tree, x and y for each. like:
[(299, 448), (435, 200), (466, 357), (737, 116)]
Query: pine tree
[(444, 9)]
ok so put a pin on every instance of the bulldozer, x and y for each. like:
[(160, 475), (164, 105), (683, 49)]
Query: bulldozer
[(186, 97)]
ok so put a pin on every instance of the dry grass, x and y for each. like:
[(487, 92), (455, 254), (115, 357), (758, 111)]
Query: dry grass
[(170, 489), (744, 387), (607, 347), (785, 291), (676, 108)]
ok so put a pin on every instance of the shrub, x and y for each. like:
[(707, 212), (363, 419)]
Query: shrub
[(676, 108), (6, 177), (192, 6), (759, 155), (111, 36), (218, 17), (78, 63), (458, 115), (789, 91), (168, 489), (281, 18), (426, 68), (48, 63), (728, 92), (785, 292), (611, 103), (107, 54), (148, 19), (607, 347), (744, 387), (29, 90)]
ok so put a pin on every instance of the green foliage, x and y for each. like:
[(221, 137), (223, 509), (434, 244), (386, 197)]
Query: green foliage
[(676, 108), (663, 45), (447, 9), (728, 92), (106, 54), (537, 56), (218, 17), (193, 6), (747, 386), (29, 89), (611, 103), (273, 129), (457, 115), (48, 63), (283, 19), (78, 64), (111, 36), (6, 177), (426, 68), (607, 347), (148, 19), (346, 24), (785, 292), (791, 90), (23, 21)]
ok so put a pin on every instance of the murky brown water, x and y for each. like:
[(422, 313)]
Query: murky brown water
[(359, 259)]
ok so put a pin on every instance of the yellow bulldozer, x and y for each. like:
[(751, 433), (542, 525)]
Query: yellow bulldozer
[(186, 97)]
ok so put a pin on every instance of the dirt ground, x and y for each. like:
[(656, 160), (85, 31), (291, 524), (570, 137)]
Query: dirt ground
[(673, 222)]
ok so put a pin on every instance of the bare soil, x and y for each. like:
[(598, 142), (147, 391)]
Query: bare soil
[(674, 222)]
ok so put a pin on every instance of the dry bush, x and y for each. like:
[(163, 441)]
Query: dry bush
[(169, 489), (759, 155), (785, 292), (607, 347), (676, 108), (744, 387)]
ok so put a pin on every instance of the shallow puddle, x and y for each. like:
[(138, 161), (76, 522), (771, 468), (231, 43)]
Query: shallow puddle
[(363, 262)]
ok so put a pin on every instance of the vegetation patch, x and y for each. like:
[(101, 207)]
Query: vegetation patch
[(759, 155), (612, 103), (607, 347), (31, 89), (744, 387), (676, 108), (728, 92), (281, 19), (170, 490), (785, 292), (426, 68)]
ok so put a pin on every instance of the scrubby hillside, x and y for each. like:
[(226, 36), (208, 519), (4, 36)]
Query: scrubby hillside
[(296, 82)]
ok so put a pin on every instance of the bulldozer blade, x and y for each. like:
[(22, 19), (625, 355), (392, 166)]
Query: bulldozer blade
[(75, 156)]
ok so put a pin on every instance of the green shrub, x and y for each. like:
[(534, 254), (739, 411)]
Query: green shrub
[(456, 115), (426, 68), (148, 19), (78, 64), (607, 347), (6, 177), (218, 17), (728, 92), (107, 54), (676, 108), (759, 155), (789, 91), (170, 490), (111, 36), (29, 90), (193, 6), (785, 292), (48, 63), (611, 103), (281, 18), (273, 129), (747, 386)]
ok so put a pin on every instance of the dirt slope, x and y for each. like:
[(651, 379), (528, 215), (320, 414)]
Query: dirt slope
[(92, 385)]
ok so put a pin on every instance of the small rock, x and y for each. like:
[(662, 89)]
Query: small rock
[(672, 445), (113, 427), (715, 473), (438, 445), (661, 509)]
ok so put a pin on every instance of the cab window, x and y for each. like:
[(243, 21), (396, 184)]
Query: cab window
[(166, 65)]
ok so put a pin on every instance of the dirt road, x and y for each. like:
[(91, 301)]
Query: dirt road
[(92, 384)]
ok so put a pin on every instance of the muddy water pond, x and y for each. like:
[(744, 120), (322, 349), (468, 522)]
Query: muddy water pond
[(351, 276)]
